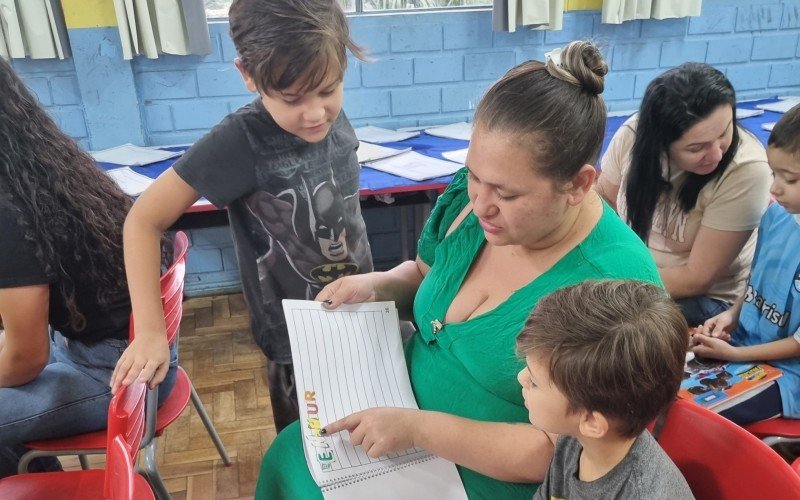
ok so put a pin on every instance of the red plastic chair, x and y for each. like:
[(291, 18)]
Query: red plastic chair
[(720, 460), (776, 430), (95, 443), (117, 481)]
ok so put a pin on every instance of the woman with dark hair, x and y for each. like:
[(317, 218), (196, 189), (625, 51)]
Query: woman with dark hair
[(692, 184), (61, 268), (519, 222)]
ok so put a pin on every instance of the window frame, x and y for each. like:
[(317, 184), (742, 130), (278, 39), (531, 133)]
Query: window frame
[(359, 10)]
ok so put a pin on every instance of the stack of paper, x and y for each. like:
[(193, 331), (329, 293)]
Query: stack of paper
[(460, 130), (747, 113), (782, 106), (415, 166), (131, 182), (378, 134), (133, 156), (768, 126), (458, 156), (370, 152)]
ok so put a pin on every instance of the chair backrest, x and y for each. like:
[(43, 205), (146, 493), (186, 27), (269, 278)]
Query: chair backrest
[(172, 282), (119, 471), (126, 424), (720, 460)]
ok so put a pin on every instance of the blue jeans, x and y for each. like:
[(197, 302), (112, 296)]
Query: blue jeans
[(698, 309), (70, 396)]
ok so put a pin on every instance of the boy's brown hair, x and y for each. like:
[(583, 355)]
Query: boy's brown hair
[(615, 347), (280, 42), (786, 132)]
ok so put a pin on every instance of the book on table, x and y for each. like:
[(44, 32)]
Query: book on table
[(719, 385), (346, 360)]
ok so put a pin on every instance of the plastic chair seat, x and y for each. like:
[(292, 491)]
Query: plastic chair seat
[(71, 485), (167, 413)]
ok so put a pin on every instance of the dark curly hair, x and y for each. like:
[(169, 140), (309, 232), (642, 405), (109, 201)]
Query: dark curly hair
[(68, 209)]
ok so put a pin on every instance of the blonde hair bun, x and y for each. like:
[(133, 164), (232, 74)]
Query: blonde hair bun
[(579, 63)]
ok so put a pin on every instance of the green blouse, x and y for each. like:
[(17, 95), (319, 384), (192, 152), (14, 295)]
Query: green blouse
[(470, 368)]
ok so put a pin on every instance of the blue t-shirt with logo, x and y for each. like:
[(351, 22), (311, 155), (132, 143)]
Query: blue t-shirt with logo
[(771, 309)]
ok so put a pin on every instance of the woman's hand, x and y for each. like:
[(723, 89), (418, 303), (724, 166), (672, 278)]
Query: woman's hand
[(379, 430), (348, 290), (712, 347), (719, 326), (146, 358)]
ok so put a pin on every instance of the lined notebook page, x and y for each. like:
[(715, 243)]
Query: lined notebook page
[(345, 361)]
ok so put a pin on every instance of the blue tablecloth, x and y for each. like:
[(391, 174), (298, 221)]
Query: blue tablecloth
[(426, 144)]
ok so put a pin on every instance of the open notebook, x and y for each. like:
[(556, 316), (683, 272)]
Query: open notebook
[(348, 360)]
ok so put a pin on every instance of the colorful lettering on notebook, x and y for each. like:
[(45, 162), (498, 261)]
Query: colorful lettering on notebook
[(325, 456)]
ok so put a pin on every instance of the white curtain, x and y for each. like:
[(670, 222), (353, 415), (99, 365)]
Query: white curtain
[(33, 28), (617, 11), (151, 27), (543, 14)]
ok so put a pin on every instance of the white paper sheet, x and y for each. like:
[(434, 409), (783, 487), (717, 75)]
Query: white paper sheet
[(370, 152), (415, 166), (131, 182), (781, 106), (768, 126), (347, 360), (458, 156), (378, 134), (747, 113), (460, 130), (133, 156)]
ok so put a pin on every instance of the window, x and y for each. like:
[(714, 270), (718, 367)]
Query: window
[(219, 8)]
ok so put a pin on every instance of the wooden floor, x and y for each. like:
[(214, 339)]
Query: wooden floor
[(225, 366)]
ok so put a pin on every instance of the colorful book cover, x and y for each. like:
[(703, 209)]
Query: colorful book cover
[(718, 385)]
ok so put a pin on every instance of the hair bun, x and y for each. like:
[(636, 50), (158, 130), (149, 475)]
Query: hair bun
[(579, 63)]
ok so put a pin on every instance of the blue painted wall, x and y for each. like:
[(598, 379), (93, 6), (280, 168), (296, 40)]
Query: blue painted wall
[(429, 68)]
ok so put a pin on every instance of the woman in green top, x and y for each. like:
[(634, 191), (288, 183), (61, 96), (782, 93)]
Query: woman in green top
[(520, 221)]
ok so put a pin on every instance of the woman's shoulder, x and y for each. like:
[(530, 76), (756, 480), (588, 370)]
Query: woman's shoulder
[(449, 206), (617, 252), (751, 155)]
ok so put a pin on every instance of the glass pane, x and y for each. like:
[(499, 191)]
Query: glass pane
[(219, 8), (372, 5)]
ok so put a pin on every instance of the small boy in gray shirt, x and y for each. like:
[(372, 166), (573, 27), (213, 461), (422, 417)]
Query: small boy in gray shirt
[(603, 359)]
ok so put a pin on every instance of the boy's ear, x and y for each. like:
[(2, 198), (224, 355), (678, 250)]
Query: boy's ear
[(593, 424), (580, 184), (248, 80)]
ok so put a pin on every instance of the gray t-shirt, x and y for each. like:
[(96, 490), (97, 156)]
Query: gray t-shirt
[(293, 208), (646, 472)]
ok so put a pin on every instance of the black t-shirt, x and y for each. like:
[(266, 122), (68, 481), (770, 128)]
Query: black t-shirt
[(293, 208), (19, 266)]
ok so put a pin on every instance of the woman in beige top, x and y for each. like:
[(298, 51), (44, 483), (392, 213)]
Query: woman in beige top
[(692, 184)]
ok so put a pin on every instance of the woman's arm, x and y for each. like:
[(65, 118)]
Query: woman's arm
[(712, 253), (25, 345), (147, 357), (508, 452), (710, 347)]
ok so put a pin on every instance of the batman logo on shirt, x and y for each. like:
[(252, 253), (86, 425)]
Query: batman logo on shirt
[(327, 273)]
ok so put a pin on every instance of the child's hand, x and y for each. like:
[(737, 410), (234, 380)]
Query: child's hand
[(715, 348), (348, 290), (145, 359), (720, 326)]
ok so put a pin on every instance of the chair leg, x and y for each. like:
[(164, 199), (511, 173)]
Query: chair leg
[(84, 462), (151, 472), (212, 432)]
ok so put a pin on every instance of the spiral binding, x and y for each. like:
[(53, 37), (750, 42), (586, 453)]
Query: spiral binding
[(363, 476)]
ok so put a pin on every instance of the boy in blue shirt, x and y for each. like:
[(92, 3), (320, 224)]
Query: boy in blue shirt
[(764, 323), (285, 168)]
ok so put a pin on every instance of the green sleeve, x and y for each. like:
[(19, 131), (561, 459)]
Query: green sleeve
[(447, 208)]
